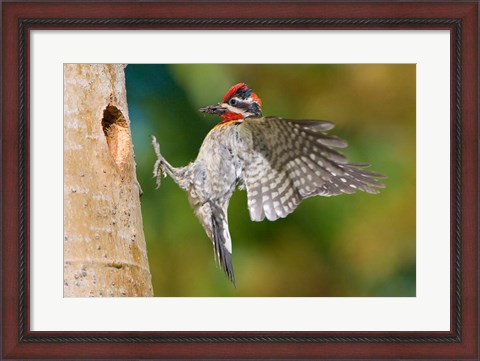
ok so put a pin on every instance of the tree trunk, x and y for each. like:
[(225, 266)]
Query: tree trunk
[(104, 245)]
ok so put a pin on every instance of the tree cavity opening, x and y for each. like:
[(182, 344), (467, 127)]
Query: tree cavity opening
[(117, 132)]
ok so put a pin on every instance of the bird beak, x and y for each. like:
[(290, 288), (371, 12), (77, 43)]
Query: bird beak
[(214, 109)]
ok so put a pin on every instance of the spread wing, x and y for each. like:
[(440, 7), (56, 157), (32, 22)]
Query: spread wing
[(291, 160)]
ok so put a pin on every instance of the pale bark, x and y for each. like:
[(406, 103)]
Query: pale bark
[(104, 245)]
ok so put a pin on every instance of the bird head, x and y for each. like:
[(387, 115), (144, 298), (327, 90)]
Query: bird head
[(239, 102)]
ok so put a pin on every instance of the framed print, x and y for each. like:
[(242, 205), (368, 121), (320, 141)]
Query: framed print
[(362, 276)]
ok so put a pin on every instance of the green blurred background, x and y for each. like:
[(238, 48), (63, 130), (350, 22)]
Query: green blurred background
[(349, 245)]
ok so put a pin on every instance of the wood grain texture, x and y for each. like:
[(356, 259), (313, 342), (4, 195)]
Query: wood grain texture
[(460, 343)]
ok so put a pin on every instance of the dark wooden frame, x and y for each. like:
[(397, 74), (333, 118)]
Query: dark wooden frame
[(461, 18)]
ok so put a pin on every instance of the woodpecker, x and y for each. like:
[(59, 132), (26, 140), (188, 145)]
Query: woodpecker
[(278, 161)]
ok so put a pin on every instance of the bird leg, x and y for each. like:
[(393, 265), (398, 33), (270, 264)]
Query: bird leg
[(161, 167)]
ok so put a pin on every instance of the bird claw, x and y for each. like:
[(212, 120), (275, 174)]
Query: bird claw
[(157, 173), (159, 168)]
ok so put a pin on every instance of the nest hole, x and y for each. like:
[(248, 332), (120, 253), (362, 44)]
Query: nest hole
[(117, 132)]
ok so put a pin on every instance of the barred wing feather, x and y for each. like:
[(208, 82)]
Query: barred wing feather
[(296, 159)]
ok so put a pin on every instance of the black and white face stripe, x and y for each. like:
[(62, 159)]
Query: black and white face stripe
[(248, 107)]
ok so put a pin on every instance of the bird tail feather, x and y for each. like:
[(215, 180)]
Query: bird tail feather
[(221, 237)]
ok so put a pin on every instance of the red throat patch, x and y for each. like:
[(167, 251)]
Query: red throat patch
[(231, 116)]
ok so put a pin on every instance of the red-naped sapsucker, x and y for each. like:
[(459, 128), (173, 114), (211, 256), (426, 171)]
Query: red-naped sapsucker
[(278, 161)]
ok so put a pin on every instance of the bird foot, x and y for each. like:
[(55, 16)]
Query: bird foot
[(159, 169)]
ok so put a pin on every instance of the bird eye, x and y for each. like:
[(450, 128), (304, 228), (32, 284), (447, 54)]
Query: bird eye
[(232, 101)]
